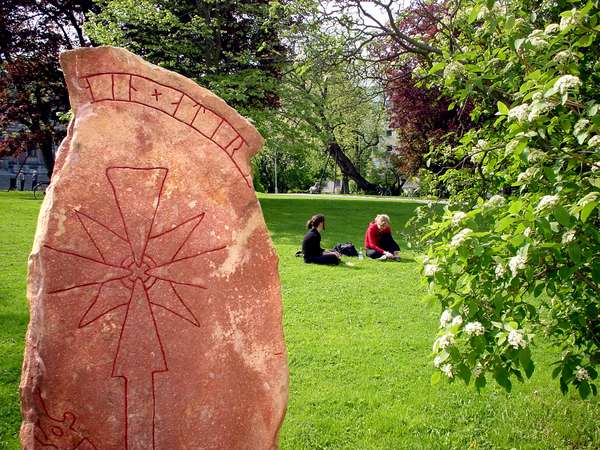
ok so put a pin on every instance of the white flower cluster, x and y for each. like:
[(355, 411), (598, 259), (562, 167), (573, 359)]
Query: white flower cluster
[(430, 269), (458, 217), (551, 28), (568, 236), (564, 57), (476, 158), (483, 13), (500, 271), (437, 361), (580, 126), (594, 141), (535, 156), (519, 113), (537, 39), (568, 19), (446, 317), (495, 201), (529, 174), (517, 263), (589, 198), (582, 374), (527, 232), (482, 144), (448, 370), (453, 70), (563, 84), (516, 339), (537, 107), (477, 370), (444, 341), (474, 329), (457, 321), (546, 202), (460, 237)]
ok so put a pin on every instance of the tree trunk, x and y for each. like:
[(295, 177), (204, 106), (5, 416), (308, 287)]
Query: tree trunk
[(345, 185), (349, 169), (48, 155)]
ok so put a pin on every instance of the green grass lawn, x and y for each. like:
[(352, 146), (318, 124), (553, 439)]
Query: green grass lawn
[(358, 340)]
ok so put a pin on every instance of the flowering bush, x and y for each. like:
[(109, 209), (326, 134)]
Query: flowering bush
[(519, 261)]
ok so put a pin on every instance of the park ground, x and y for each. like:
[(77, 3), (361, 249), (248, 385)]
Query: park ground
[(358, 341)]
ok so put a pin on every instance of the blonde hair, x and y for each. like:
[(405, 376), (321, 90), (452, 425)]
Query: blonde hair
[(382, 218)]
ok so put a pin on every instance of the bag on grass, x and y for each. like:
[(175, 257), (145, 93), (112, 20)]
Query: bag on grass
[(346, 249)]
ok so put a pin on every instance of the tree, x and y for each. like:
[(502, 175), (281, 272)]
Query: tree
[(326, 96), (523, 265), (32, 91), (230, 47), (421, 115)]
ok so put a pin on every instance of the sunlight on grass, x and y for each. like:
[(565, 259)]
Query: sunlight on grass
[(358, 340)]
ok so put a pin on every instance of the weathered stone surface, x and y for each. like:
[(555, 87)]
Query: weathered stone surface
[(153, 285)]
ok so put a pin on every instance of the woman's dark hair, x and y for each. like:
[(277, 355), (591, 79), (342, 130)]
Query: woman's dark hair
[(315, 221)]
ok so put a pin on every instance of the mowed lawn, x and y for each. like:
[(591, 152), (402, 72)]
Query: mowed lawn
[(358, 341)]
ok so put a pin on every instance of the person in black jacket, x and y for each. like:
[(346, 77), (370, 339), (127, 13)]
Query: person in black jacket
[(311, 245)]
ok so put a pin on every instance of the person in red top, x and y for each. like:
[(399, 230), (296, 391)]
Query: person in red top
[(379, 243)]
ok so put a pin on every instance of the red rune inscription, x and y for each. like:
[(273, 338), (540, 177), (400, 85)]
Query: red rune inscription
[(131, 88), (156, 94), (125, 276), (58, 433)]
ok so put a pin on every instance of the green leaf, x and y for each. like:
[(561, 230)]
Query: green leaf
[(474, 13), (556, 371), (574, 253), (502, 109), (519, 43), (563, 217), (480, 382), (549, 174), (515, 206), (436, 377), (539, 289), (544, 225), (584, 390), (587, 210), (509, 23), (504, 223), (478, 343), (524, 356), (501, 338), (565, 272), (501, 377), (586, 40), (437, 67), (596, 272), (529, 369), (563, 386)]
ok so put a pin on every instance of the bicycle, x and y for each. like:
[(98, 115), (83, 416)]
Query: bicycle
[(39, 190)]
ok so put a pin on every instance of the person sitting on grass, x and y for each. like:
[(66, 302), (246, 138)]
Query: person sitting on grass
[(311, 245), (379, 243)]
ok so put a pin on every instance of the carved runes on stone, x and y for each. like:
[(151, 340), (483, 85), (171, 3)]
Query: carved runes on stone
[(153, 284)]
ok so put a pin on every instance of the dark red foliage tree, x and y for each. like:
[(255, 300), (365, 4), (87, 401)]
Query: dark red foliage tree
[(418, 113), (32, 91)]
